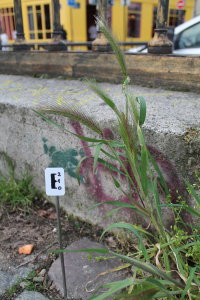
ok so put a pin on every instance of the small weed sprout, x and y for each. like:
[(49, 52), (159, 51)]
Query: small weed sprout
[(89, 257)]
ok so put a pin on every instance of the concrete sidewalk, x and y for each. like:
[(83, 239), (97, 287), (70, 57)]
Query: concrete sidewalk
[(35, 144)]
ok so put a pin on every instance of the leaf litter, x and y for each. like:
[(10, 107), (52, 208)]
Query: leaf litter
[(37, 227)]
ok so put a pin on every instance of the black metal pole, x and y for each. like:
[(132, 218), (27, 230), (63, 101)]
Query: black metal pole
[(18, 18), (162, 14), (20, 43), (61, 247), (56, 18), (101, 44), (57, 43), (160, 43), (103, 9)]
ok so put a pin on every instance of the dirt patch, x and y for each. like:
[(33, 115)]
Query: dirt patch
[(39, 227)]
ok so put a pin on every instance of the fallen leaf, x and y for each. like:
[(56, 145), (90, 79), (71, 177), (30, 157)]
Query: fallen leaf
[(43, 213), (53, 215), (27, 249)]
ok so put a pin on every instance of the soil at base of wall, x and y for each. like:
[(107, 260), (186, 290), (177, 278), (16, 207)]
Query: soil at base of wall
[(38, 227)]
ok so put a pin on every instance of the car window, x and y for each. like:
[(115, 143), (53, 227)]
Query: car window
[(190, 37)]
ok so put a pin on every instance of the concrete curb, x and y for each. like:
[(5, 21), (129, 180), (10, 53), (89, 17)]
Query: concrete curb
[(35, 144)]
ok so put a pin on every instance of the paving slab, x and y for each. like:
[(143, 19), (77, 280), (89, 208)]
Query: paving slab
[(29, 295), (83, 275), (9, 274)]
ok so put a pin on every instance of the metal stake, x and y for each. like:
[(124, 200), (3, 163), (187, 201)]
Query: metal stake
[(61, 247)]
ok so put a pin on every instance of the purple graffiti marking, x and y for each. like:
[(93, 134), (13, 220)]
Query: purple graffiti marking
[(96, 188)]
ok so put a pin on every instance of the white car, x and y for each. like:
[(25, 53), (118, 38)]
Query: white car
[(186, 39)]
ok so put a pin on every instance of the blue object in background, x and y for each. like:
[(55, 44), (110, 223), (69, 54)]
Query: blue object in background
[(71, 2), (76, 5), (95, 2)]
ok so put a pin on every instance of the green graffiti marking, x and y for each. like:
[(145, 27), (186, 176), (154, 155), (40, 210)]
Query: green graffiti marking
[(68, 160)]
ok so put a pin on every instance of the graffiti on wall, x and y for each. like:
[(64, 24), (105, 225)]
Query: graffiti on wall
[(68, 160), (95, 186)]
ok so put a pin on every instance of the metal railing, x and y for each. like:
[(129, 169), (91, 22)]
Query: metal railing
[(84, 46)]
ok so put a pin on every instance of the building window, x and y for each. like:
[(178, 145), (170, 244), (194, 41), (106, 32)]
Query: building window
[(7, 22), (31, 23), (154, 20), (134, 20), (176, 17), (39, 22)]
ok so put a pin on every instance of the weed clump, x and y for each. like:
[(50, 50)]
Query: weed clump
[(16, 192)]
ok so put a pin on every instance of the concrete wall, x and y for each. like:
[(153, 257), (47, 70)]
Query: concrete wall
[(35, 144), (168, 72)]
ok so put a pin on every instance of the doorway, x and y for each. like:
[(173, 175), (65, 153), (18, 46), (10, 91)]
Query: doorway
[(91, 13)]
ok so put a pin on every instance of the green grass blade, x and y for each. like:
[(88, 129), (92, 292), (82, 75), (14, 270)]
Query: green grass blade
[(78, 115), (131, 228), (163, 294), (128, 175), (135, 173), (115, 203), (122, 154), (140, 209), (116, 144), (110, 213), (107, 164), (143, 160), (114, 180), (103, 27), (139, 264), (160, 286), (118, 286), (102, 94), (162, 274), (142, 110), (162, 180), (122, 204), (109, 155), (166, 262), (191, 277), (192, 191), (191, 226), (78, 167), (149, 186), (196, 280), (179, 261), (96, 156), (78, 136), (142, 291), (157, 202), (134, 106), (97, 250), (188, 208), (184, 247)]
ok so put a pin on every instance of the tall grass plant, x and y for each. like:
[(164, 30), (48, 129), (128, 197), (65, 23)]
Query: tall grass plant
[(161, 253)]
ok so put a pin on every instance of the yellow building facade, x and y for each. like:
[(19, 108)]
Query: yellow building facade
[(133, 23)]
